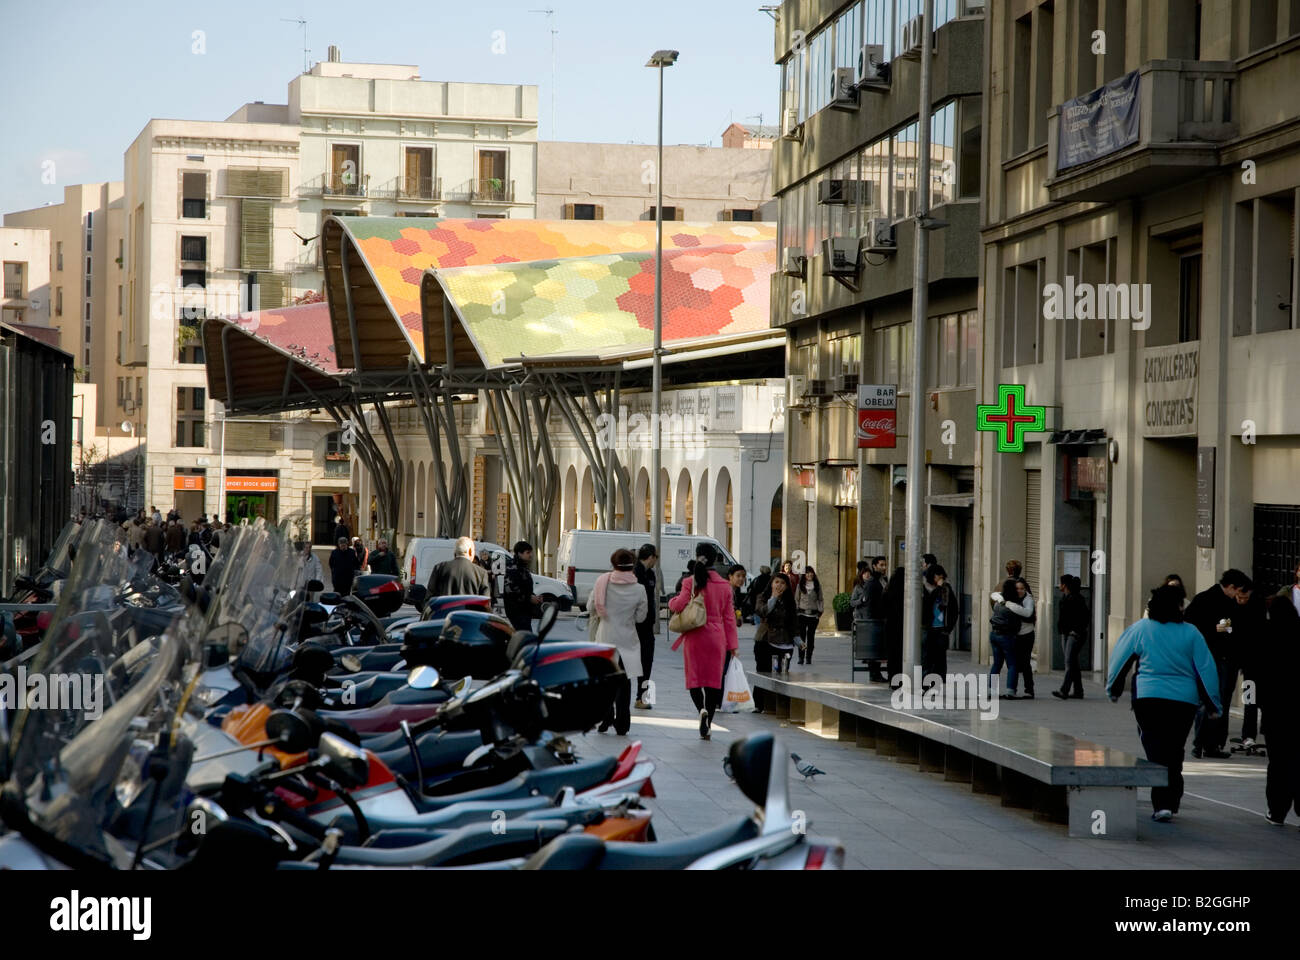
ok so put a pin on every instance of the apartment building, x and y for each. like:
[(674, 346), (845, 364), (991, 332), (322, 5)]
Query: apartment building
[(1139, 278), (25, 298), (845, 174), (616, 181), (749, 136)]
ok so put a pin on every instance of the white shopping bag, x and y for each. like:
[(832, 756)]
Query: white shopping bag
[(736, 695)]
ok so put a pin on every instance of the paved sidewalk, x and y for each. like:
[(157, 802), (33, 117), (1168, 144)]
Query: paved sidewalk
[(890, 815)]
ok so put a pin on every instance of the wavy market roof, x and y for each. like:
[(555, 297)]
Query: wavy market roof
[(480, 292)]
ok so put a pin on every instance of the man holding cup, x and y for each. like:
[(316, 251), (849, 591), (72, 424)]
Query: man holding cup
[(1211, 612)]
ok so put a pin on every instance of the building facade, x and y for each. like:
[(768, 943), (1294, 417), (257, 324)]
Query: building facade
[(1140, 286), (616, 181), (25, 298), (845, 174)]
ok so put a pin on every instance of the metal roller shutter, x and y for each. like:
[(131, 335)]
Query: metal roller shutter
[(1033, 521)]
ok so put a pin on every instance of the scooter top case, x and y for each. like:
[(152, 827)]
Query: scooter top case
[(580, 678), (466, 643), (438, 607), (382, 593)]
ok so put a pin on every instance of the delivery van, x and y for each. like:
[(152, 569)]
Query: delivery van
[(583, 556)]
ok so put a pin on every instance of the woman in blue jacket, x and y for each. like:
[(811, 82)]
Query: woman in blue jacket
[(1176, 673)]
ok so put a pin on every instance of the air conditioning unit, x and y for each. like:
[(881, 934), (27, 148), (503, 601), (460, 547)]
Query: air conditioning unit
[(818, 388), (880, 236), (844, 89), (912, 31), (841, 255), (797, 386), (790, 124), (846, 383), (793, 262), (872, 68), (844, 191)]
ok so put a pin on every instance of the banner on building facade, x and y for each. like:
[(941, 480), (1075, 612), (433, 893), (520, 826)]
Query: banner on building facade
[(1170, 376), (878, 415), (1098, 123)]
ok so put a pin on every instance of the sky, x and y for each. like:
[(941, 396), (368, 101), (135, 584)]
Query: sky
[(81, 79)]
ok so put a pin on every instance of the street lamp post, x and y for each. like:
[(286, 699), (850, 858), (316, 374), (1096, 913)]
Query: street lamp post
[(659, 59)]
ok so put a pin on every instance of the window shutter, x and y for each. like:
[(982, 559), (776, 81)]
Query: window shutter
[(726, 215), (255, 234), (1033, 523), (257, 181), (568, 211), (599, 212), (272, 290), (679, 213)]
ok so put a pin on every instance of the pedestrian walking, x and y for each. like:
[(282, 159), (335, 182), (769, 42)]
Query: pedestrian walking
[(809, 603), (774, 642), (175, 538), (895, 595), (1004, 625), (1249, 634), (707, 646), (1021, 603), (461, 575), (383, 560), (1074, 623), (939, 614), (363, 555), (311, 567), (757, 589), (343, 567), (518, 595), (1278, 665), (646, 562), (787, 571), (618, 604), (736, 575), (868, 603), (153, 514), (1177, 672), (1212, 612)]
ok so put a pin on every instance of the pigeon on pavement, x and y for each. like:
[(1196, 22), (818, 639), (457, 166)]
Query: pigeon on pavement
[(726, 767), (804, 767)]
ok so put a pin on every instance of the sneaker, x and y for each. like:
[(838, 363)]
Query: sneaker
[(1278, 821), (704, 725), (1248, 744), (642, 705), (1162, 816)]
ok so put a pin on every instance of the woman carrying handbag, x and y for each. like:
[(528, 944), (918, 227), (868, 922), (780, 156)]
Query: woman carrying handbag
[(705, 615)]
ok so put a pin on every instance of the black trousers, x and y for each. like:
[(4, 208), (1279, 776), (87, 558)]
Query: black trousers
[(1282, 788), (520, 617), (1163, 726), (808, 634), (1023, 647), (706, 698), (1073, 684), (934, 653), (623, 706), (645, 633), (1213, 734)]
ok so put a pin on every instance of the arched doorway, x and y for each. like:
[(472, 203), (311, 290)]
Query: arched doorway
[(702, 506), (776, 547), (684, 506), (421, 505), (587, 502), (570, 502), (666, 486), (641, 501), (432, 515), (722, 510)]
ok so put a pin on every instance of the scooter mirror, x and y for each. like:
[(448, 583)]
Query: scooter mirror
[(291, 731), (346, 762), (550, 612), (423, 677)]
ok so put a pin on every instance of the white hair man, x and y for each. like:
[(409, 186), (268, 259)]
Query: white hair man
[(460, 575)]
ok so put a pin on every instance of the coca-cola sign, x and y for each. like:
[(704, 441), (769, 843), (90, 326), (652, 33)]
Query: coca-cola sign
[(877, 416)]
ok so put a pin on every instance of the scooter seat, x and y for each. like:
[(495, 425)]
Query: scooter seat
[(411, 836), (436, 755), (544, 783), (449, 818), (475, 843), (583, 851), (365, 693)]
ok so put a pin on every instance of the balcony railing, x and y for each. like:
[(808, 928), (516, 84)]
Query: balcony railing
[(338, 185), (492, 190), (1173, 145), (412, 189)]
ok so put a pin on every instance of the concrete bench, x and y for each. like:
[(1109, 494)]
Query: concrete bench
[(1062, 778)]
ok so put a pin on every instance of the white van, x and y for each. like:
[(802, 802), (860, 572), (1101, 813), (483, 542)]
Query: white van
[(425, 553), (584, 555)]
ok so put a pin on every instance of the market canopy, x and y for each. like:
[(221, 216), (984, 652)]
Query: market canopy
[(479, 293)]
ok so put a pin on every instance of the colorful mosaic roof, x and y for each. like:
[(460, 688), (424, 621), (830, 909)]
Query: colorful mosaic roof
[(530, 287), (303, 331)]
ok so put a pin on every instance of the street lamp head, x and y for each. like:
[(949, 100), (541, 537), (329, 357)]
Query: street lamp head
[(662, 58)]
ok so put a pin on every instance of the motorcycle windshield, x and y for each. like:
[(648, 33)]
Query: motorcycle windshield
[(60, 560)]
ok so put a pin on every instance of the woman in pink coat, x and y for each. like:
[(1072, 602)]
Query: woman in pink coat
[(707, 646)]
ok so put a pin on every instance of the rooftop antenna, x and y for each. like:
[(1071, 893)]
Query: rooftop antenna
[(306, 53), (550, 22)]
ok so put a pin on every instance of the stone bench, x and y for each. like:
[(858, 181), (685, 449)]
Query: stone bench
[(1060, 777)]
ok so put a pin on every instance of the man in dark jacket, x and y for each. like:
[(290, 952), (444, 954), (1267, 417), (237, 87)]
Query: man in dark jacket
[(382, 560), (869, 606), (939, 612), (1278, 666), (343, 567), (175, 537), (341, 530), (518, 593), (459, 575), (154, 541), (646, 561), (1074, 623), (1212, 612)]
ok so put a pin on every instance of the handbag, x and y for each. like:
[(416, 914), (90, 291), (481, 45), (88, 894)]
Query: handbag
[(736, 695), (690, 617)]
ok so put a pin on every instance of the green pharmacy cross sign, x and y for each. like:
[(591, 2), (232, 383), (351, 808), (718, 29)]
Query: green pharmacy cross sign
[(1011, 417)]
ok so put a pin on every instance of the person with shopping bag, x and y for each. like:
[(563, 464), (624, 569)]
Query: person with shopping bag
[(618, 602), (705, 616)]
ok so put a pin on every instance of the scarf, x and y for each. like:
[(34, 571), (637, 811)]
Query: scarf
[(603, 581)]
